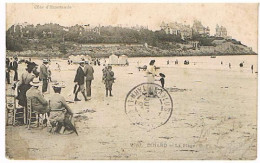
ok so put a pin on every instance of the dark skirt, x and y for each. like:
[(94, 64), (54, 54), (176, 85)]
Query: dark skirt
[(22, 94)]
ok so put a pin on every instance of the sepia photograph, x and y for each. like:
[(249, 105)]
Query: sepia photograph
[(131, 81)]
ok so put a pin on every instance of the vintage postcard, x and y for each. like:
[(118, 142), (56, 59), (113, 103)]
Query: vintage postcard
[(126, 81)]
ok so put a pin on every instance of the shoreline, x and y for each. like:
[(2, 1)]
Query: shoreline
[(136, 56)]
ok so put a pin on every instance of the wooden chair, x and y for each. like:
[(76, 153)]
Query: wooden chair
[(31, 114), (14, 114), (33, 117)]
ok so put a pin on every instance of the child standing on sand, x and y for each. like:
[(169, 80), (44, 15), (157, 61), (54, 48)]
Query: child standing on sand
[(109, 80), (162, 79)]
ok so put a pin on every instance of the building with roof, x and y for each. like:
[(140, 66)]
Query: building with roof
[(221, 31), (175, 28), (198, 28)]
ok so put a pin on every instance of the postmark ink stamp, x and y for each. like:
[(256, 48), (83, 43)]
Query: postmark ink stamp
[(148, 109)]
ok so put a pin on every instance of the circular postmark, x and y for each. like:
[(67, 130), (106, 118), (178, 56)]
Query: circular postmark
[(148, 106)]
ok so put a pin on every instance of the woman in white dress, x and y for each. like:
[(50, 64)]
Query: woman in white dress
[(151, 73)]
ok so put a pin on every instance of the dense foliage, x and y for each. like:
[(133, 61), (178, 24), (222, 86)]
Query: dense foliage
[(54, 37)]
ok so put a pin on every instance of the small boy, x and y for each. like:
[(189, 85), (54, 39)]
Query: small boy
[(162, 79), (109, 80)]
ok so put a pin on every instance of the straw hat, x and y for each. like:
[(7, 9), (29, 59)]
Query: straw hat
[(80, 62), (36, 82), (45, 61), (58, 85)]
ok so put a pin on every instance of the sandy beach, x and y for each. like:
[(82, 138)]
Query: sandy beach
[(214, 114)]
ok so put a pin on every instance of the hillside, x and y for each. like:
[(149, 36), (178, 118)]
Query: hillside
[(53, 40)]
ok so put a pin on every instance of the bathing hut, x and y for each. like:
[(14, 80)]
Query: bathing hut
[(113, 59), (123, 60)]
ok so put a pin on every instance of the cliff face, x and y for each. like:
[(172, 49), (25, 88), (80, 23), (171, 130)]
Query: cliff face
[(226, 48), (102, 50)]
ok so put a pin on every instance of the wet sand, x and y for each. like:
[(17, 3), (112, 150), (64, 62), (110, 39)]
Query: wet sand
[(214, 116)]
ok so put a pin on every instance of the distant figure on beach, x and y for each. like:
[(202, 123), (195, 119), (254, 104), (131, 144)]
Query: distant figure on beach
[(221, 62), (58, 67), (68, 62), (229, 65), (44, 75), (109, 80), (186, 62), (241, 64), (168, 62), (80, 80), (176, 61), (89, 71), (162, 79), (252, 68)]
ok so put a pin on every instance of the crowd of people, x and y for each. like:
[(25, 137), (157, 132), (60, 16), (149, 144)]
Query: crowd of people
[(11, 67), (57, 110)]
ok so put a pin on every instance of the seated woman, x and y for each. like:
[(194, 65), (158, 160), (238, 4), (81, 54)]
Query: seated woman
[(24, 84), (60, 112)]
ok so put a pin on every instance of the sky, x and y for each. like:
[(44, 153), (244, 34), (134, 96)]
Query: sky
[(241, 20)]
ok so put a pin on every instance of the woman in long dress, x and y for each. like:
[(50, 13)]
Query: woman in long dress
[(24, 84), (151, 73)]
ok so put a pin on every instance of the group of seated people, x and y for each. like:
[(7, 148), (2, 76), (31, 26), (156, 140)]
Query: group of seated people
[(58, 111)]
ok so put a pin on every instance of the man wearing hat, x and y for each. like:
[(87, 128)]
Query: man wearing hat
[(44, 75), (60, 112), (38, 102), (89, 71), (79, 80), (15, 68), (7, 70)]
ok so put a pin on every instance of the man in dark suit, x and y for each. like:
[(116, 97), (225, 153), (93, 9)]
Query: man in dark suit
[(89, 71), (7, 70), (79, 80), (15, 68), (44, 75)]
